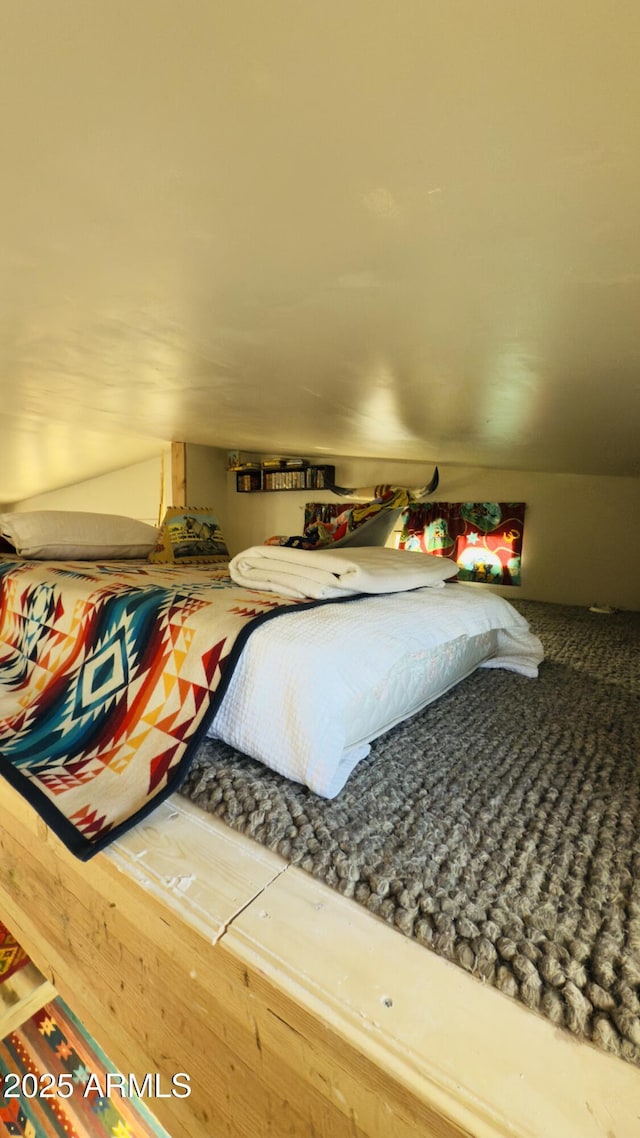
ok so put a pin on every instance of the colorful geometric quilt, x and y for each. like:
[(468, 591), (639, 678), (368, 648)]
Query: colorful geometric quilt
[(110, 674)]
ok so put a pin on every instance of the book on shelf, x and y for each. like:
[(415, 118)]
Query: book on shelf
[(293, 474)]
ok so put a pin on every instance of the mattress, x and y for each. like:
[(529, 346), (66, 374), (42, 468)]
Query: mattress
[(313, 689)]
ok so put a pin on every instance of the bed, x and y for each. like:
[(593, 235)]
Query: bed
[(112, 672), (312, 690), (184, 947)]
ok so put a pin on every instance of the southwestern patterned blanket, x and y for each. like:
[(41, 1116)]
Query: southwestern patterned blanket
[(110, 674)]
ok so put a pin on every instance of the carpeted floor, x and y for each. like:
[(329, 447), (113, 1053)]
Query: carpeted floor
[(500, 826)]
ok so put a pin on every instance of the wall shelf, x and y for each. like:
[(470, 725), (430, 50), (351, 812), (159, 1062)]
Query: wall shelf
[(268, 477)]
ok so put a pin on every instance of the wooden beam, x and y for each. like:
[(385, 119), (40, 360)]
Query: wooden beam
[(178, 474)]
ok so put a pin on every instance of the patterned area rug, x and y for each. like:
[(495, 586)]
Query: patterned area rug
[(500, 827), (12, 955), (56, 1083)]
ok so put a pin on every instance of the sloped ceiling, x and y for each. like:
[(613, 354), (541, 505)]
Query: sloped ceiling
[(407, 229)]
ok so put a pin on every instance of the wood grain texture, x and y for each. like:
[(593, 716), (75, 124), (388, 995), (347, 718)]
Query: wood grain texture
[(178, 474), (296, 1013), (21, 996)]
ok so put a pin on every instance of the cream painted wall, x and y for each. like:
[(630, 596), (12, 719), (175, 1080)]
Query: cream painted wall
[(582, 541), (139, 491)]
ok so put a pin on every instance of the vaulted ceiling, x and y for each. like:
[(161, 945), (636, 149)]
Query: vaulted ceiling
[(407, 229)]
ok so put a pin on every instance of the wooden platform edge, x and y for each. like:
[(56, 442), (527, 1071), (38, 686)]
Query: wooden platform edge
[(294, 1011), (22, 996)]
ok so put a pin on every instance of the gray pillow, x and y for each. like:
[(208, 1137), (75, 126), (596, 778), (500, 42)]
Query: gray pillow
[(70, 535)]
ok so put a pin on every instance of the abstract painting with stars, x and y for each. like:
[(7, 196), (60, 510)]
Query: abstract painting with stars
[(483, 538)]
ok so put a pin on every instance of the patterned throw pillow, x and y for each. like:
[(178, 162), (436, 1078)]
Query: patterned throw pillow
[(188, 535)]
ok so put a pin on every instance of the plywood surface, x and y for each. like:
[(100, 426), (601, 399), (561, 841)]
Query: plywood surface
[(295, 1012), (488, 1063)]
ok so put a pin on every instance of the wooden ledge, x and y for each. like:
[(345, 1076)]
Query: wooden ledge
[(187, 947)]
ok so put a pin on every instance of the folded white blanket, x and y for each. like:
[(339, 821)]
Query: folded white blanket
[(322, 573)]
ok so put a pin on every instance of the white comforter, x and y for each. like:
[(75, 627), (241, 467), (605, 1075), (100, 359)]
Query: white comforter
[(312, 689), (326, 573)]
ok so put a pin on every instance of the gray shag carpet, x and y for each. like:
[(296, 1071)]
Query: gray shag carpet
[(500, 827)]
